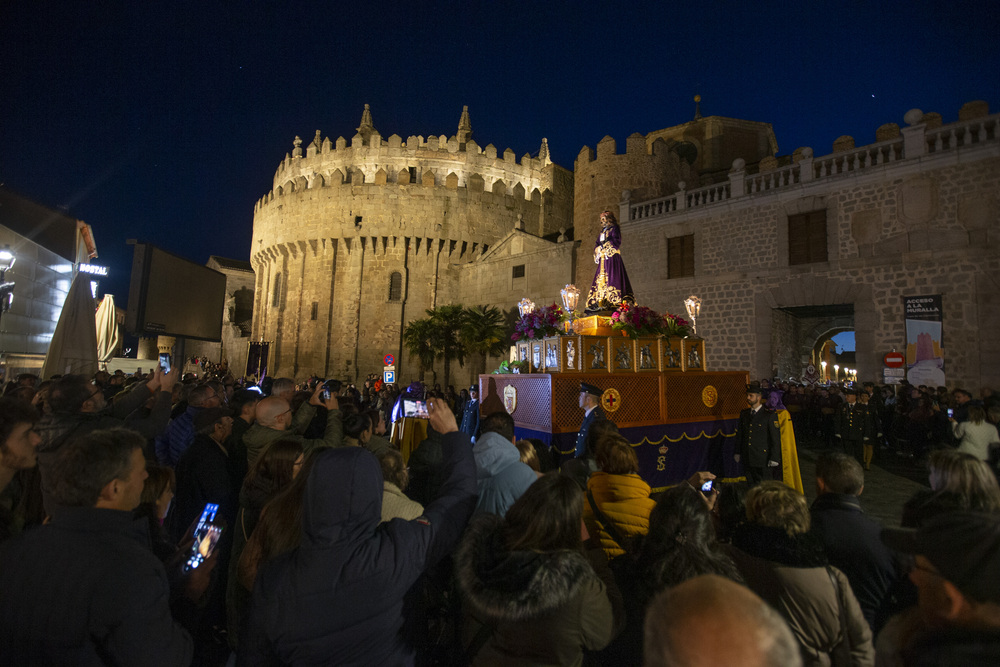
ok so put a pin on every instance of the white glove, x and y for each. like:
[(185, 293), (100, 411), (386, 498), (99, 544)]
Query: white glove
[(737, 457), (772, 464)]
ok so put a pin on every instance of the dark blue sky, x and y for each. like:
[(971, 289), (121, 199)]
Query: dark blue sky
[(165, 121)]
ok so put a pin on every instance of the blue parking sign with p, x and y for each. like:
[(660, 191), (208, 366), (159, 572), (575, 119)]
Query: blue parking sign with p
[(389, 377)]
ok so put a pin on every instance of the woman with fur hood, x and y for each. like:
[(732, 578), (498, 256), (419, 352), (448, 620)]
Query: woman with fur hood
[(786, 566), (533, 591)]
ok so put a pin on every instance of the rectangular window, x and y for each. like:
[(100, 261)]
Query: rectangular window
[(519, 271), (315, 311), (395, 286), (680, 256), (807, 238)]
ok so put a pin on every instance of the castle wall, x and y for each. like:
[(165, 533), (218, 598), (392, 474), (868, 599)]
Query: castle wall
[(923, 218), (341, 220)]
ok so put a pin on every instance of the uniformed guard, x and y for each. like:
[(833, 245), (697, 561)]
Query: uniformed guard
[(853, 426), (470, 415), (590, 403), (759, 438)]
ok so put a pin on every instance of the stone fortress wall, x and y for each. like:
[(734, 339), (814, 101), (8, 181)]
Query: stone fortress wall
[(915, 213), (353, 242)]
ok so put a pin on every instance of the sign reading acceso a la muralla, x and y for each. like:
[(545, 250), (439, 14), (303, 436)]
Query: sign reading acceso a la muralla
[(924, 340)]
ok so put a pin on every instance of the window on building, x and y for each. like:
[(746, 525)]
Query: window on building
[(680, 256), (315, 311), (395, 286), (276, 297), (519, 271), (807, 238), (413, 174)]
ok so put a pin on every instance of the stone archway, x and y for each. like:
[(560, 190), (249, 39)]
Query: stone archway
[(813, 339), (818, 294)]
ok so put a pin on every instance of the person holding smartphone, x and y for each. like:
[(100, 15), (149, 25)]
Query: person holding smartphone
[(85, 588), (275, 420), (338, 597)]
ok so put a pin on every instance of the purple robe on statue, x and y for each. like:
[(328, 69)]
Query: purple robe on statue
[(611, 283)]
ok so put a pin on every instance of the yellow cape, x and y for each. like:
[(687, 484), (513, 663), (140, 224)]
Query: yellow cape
[(789, 454)]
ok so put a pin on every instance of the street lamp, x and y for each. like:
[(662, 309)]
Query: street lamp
[(693, 306), (836, 373), (823, 364), (570, 298)]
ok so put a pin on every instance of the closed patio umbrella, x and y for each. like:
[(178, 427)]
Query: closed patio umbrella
[(73, 349), (107, 330)]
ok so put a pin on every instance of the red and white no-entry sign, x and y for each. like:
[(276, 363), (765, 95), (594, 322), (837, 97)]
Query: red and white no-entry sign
[(894, 360)]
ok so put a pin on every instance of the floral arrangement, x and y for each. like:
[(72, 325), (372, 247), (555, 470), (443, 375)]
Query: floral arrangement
[(635, 321), (675, 325), (508, 367), (539, 323)]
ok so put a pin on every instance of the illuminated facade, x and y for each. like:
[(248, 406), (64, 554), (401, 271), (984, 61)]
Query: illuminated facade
[(48, 246)]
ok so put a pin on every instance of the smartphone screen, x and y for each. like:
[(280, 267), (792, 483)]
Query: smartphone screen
[(205, 542), (415, 409), (951, 413), (165, 362), (206, 536), (707, 486)]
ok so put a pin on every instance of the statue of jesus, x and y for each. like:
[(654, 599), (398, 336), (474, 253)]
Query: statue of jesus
[(611, 285)]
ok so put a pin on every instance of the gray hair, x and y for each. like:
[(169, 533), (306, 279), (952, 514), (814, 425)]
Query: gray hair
[(764, 637)]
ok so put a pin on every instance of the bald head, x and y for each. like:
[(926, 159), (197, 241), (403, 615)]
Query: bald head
[(274, 413), (709, 621)]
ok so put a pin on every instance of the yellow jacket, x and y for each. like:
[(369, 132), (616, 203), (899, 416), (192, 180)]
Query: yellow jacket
[(624, 499)]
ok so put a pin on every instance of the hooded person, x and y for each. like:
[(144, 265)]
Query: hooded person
[(338, 598), (501, 477), (790, 473)]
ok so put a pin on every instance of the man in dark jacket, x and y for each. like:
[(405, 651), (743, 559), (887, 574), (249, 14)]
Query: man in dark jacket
[(203, 473), (850, 538), (590, 403), (759, 439), (470, 414), (338, 598), (853, 425), (85, 589), (18, 456), (78, 407), (180, 431)]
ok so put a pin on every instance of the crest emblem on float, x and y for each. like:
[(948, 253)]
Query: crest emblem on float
[(709, 396), (611, 400), (510, 398)]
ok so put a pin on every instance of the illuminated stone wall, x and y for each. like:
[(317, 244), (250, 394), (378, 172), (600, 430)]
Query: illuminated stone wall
[(917, 213), (341, 220)]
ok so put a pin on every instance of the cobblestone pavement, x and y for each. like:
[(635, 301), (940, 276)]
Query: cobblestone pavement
[(887, 486)]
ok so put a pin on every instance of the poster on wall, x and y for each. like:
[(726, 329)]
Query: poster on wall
[(924, 342)]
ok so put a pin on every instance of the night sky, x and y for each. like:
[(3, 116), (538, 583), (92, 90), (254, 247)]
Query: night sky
[(166, 121)]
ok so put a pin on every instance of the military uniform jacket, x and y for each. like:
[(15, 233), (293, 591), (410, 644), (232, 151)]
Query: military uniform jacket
[(470, 418), (854, 422), (760, 439), (597, 414)]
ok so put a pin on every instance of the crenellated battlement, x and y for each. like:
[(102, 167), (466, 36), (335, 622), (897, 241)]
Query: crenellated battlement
[(434, 161), (925, 139)]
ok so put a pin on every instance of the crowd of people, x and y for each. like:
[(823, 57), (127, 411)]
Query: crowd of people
[(155, 519)]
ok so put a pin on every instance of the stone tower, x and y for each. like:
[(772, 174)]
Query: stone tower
[(356, 239)]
